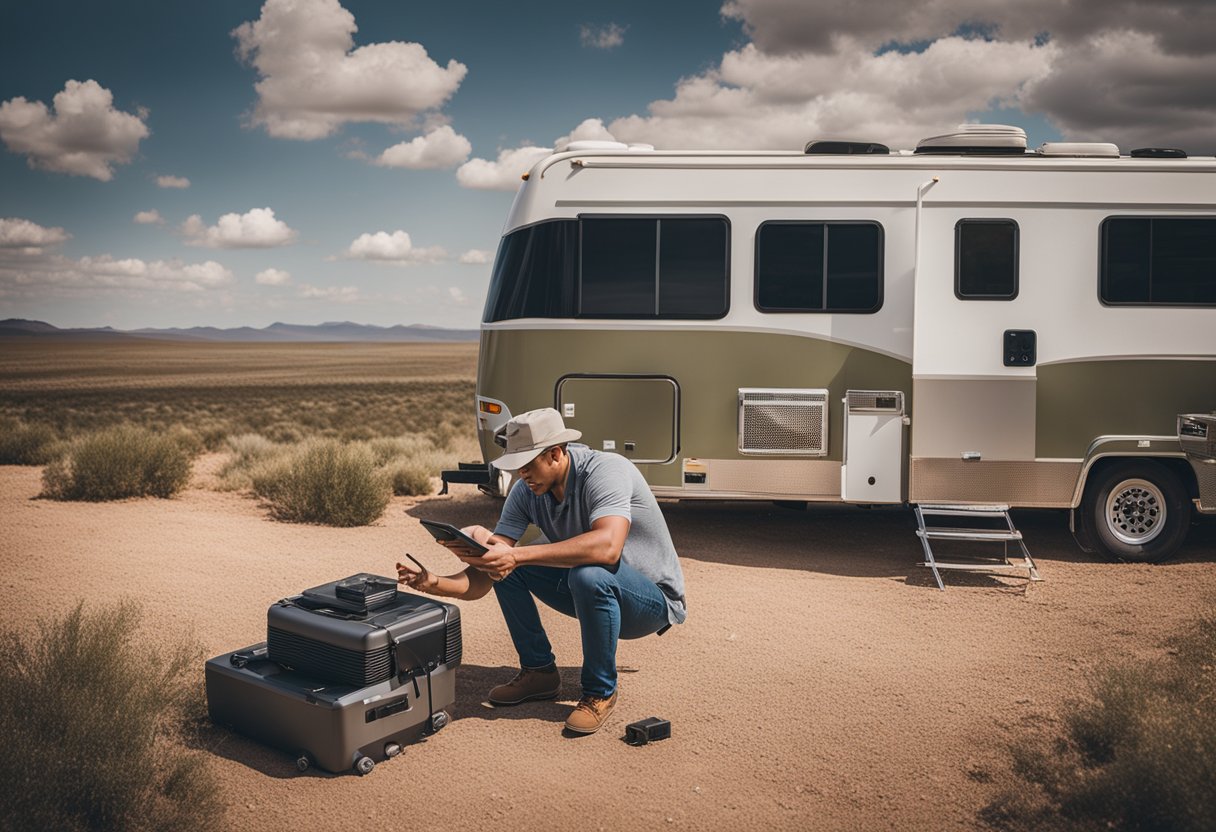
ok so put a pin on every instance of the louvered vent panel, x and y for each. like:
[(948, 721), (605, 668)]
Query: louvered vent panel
[(783, 421), (327, 662), (876, 401), (455, 644)]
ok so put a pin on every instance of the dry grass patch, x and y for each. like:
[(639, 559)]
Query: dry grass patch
[(24, 444), (120, 462), (95, 727), (324, 481), (1138, 754)]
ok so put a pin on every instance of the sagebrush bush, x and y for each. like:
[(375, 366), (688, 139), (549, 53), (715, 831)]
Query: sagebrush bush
[(409, 477), (94, 726), (119, 462), (23, 444), (247, 452), (324, 481), (1138, 754)]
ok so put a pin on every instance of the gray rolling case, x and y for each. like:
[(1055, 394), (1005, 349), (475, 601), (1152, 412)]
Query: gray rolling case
[(340, 686)]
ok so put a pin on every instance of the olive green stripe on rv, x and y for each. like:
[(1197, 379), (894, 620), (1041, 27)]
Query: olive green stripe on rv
[(1079, 401), (522, 368)]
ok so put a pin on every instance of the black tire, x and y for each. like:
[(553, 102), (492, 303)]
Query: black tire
[(364, 766), (1137, 511)]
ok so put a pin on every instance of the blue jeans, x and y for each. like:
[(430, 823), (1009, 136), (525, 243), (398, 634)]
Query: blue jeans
[(609, 603)]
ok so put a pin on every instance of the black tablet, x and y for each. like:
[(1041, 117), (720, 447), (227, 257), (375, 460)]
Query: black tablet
[(448, 532)]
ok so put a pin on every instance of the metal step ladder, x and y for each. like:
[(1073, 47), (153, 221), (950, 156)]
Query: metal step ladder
[(973, 563)]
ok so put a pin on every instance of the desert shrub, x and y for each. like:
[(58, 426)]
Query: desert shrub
[(1138, 754), (22, 444), (324, 481), (409, 477), (248, 452), (118, 462), (94, 726)]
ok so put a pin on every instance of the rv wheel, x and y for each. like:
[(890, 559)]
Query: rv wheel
[(1137, 511), (364, 765)]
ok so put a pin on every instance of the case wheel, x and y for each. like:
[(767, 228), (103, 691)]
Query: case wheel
[(391, 749), (364, 765), (303, 762), (439, 720)]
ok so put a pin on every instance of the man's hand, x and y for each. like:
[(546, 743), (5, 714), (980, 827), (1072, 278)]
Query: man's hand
[(498, 562), (479, 533), (416, 578)]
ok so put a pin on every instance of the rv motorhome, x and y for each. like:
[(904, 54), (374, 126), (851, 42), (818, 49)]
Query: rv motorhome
[(970, 322)]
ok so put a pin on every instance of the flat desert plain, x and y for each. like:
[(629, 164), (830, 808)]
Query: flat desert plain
[(821, 681)]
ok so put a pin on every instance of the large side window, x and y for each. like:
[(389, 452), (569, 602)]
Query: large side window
[(667, 267), (1158, 261), (986, 259), (613, 267), (819, 266)]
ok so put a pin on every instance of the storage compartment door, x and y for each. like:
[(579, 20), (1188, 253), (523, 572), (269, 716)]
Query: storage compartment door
[(635, 416), (873, 447)]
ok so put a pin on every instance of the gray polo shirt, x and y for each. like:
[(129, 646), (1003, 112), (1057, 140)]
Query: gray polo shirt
[(602, 485)]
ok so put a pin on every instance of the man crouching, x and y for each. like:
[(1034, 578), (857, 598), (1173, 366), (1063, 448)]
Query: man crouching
[(609, 562)]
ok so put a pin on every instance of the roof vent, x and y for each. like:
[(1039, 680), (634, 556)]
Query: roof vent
[(1158, 153), (1083, 150), (977, 139), (841, 148), (589, 144)]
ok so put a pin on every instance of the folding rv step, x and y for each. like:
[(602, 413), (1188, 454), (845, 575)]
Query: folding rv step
[(935, 533), (994, 562)]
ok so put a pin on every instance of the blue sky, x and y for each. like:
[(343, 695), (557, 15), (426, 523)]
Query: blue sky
[(288, 216)]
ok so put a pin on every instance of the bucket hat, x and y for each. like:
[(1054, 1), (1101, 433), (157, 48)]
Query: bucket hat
[(529, 434)]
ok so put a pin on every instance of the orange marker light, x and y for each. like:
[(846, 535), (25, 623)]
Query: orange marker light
[(490, 407)]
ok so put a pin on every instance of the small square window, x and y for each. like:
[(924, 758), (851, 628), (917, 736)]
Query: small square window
[(986, 259)]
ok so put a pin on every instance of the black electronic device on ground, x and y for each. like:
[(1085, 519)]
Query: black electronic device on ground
[(448, 532), (349, 674), (647, 730)]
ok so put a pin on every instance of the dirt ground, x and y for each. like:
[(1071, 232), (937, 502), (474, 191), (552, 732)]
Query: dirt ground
[(821, 681)]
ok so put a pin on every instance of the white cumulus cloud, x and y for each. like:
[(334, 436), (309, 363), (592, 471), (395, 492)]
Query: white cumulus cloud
[(44, 275), (172, 182), (256, 228), (29, 237), (441, 148), (396, 247), (81, 134), (272, 277), (335, 294), (601, 36), (503, 173), (313, 79), (152, 217), (477, 257)]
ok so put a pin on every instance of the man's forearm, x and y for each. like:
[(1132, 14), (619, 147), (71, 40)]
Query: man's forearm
[(593, 547)]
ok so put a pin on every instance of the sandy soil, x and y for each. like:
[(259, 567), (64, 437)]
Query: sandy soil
[(821, 681)]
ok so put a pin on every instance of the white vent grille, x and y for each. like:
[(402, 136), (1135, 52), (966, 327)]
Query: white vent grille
[(783, 421)]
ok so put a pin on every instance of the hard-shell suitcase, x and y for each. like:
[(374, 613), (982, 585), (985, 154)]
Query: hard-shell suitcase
[(351, 671), (336, 726)]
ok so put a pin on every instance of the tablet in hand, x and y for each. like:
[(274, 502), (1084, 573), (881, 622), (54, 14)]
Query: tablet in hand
[(446, 532)]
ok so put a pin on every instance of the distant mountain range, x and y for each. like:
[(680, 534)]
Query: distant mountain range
[(331, 331)]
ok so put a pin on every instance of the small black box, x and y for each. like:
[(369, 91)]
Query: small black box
[(647, 730)]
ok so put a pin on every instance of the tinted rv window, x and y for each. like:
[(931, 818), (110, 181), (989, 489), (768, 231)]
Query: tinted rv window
[(819, 267), (669, 267), (1165, 261), (986, 259), (534, 273)]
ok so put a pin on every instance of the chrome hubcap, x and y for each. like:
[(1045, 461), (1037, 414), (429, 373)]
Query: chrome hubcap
[(1135, 511)]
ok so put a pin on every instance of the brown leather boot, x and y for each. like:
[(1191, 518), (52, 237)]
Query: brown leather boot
[(528, 684), (590, 714)]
